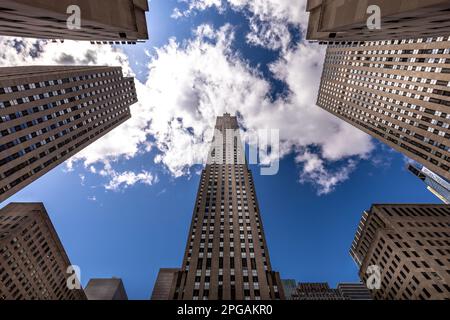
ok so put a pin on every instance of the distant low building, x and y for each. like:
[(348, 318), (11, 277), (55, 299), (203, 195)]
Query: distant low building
[(316, 291), (289, 286), (106, 289), (163, 284), (355, 291)]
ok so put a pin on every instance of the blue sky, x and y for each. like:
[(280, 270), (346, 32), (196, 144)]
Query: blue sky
[(123, 206)]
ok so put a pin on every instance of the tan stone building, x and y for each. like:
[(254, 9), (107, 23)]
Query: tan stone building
[(346, 20), (48, 114), (398, 91), (119, 21), (33, 262), (410, 244), (226, 255)]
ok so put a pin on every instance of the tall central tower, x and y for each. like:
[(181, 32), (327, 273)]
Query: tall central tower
[(226, 253)]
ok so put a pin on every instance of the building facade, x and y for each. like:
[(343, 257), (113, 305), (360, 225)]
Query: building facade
[(106, 289), (289, 287), (163, 284), (397, 91), (409, 244), (354, 291), (347, 20), (435, 184), (226, 255), (48, 114), (316, 291), (118, 21), (33, 262)]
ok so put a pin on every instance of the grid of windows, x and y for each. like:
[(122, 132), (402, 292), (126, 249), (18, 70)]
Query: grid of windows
[(46, 118), (226, 256), (32, 264), (411, 246), (398, 91)]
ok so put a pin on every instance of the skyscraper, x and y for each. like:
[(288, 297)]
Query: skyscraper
[(105, 289), (396, 91), (33, 262), (226, 254), (316, 291), (354, 291), (346, 20), (101, 20), (438, 186), (408, 244), (49, 113)]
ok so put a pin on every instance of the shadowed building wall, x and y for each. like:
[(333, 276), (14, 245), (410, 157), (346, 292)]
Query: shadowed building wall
[(346, 20), (101, 20)]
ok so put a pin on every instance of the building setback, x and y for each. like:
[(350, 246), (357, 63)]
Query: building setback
[(163, 284), (396, 91), (48, 114), (226, 255), (410, 244), (354, 291), (101, 20), (346, 20), (106, 289), (33, 263)]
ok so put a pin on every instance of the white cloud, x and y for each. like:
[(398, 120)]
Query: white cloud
[(268, 19), (314, 171), (125, 179), (192, 82), (122, 142)]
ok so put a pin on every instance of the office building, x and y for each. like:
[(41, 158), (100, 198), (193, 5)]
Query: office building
[(33, 262), (49, 113), (226, 255), (316, 291), (106, 289), (349, 20), (289, 286), (396, 91), (403, 249), (163, 284), (435, 184), (117, 21), (354, 291)]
